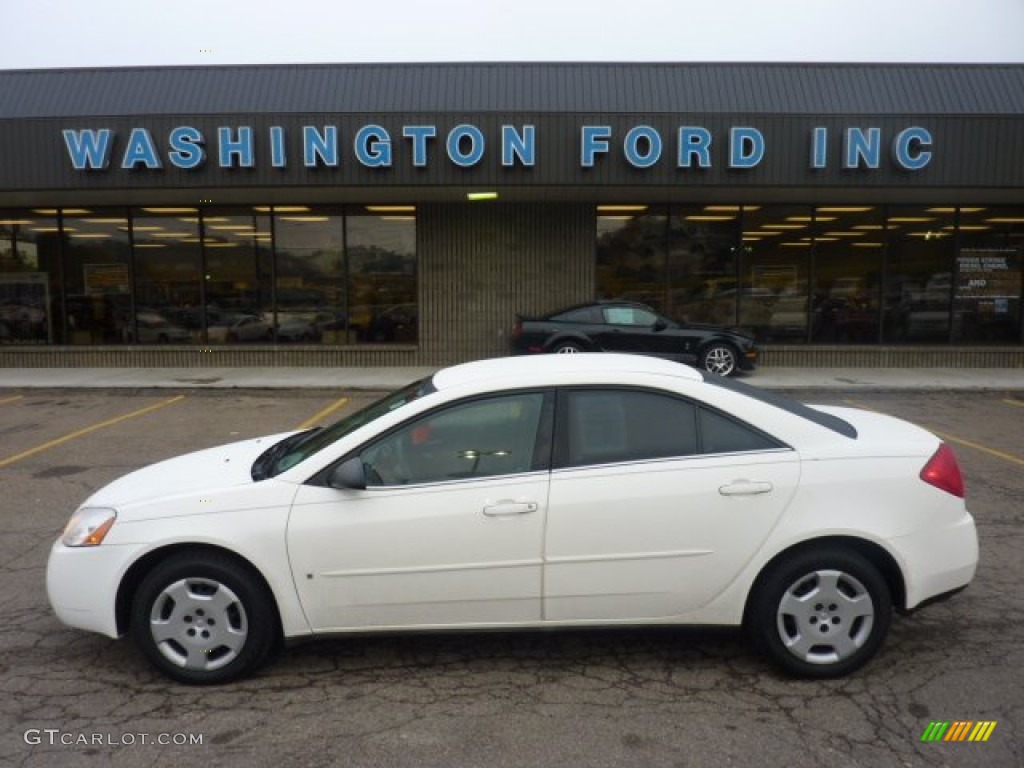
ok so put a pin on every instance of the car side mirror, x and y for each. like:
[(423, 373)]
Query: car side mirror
[(660, 324), (349, 475)]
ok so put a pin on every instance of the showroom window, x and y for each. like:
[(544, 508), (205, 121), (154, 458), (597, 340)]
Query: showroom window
[(775, 272), (238, 275), (98, 278), (989, 268), (849, 245), (918, 288), (380, 245), (632, 248), (703, 244), (168, 276), (30, 278), (310, 280)]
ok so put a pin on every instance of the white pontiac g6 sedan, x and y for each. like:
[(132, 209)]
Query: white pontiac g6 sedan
[(552, 491)]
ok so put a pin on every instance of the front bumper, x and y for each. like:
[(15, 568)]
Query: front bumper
[(82, 583)]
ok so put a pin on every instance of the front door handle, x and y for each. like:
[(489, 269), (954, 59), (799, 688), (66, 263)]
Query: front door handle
[(745, 488), (509, 508)]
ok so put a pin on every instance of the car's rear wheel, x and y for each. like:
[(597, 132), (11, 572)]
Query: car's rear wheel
[(820, 613), (203, 618), (720, 359), (567, 348)]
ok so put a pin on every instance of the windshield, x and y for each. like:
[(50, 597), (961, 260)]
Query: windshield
[(297, 448)]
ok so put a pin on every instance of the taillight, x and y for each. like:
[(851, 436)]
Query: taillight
[(943, 471)]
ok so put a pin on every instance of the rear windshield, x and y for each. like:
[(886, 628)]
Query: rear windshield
[(787, 404)]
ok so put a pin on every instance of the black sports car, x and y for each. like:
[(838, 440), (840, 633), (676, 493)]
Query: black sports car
[(626, 326)]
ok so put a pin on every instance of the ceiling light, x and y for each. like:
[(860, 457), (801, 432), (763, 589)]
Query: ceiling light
[(475, 196), (170, 210), (846, 209), (391, 208)]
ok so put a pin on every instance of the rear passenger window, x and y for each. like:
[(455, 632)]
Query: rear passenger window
[(606, 426), (720, 434)]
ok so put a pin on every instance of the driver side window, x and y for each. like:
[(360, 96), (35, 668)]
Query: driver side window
[(478, 438), (629, 316)]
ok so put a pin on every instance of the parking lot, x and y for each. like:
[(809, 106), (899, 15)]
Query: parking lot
[(602, 698)]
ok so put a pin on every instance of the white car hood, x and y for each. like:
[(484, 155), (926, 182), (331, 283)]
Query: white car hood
[(225, 466)]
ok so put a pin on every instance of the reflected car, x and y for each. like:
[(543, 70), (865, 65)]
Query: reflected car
[(626, 326), (154, 328), (231, 328), (534, 492), (297, 328)]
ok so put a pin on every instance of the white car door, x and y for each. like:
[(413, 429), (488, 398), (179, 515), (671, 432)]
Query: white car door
[(655, 505), (449, 530)]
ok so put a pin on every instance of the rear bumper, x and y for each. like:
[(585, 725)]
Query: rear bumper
[(937, 561)]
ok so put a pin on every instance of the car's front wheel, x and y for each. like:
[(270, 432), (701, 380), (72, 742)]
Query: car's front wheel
[(203, 618), (720, 359), (820, 614)]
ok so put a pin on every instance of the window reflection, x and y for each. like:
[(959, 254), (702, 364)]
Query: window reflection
[(381, 250), (29, 278), (989, 268), (311, 296), (237, 277), (168, 271), (98, 277), (702, 264), (774, 272), (849, 242), (919, 277), (632, 254)]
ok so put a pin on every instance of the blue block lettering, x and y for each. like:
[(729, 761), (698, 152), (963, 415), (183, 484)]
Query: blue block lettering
[(88, 149), (186, 148)]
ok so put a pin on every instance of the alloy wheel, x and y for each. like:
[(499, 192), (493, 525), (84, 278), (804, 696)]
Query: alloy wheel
[(825, 617), (198, 624)]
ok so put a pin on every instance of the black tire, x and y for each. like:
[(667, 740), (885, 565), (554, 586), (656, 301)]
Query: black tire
[(567, 348), (203, 618), (820, 613), (720, 359)]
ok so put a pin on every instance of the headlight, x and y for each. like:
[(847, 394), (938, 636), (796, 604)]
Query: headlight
[(88, 526)]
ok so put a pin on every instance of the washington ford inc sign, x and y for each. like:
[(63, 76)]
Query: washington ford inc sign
[(466, 145)]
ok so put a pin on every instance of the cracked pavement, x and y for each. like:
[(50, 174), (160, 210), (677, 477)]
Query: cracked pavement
[(665, 697)]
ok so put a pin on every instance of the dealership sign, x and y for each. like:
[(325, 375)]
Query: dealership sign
[(465, 146)]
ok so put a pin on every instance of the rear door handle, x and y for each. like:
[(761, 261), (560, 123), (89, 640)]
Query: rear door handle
[(745, 488), (509, 508)]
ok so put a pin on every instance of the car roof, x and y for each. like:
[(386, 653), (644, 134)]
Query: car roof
[(601, 303), (543, 367)]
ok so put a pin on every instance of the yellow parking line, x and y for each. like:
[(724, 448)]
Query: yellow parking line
[(958, 440), (10, 399), (315, 418), (1011, 401), (87, 430), (984, 449)]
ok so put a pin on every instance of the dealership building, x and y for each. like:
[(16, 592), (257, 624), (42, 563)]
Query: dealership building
[(404, 214)]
